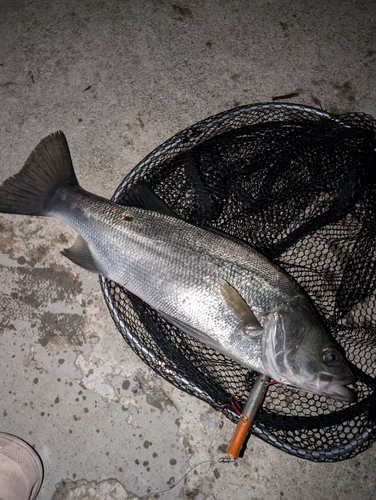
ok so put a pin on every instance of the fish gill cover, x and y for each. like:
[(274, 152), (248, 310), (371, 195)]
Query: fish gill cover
[(299, 184)]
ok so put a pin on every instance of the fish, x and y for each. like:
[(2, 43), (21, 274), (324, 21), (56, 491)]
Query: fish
[(216, 288)]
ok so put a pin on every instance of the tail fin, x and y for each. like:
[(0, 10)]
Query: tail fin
[(48, 167)]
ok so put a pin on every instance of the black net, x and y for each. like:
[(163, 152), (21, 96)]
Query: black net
[(298, 184)]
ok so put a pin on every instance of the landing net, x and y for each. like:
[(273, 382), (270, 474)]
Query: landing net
[(299, 184)]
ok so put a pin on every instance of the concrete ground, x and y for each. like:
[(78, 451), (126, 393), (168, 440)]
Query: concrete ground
[(120, 77)]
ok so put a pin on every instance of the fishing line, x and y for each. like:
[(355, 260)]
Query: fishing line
[(221, 460)]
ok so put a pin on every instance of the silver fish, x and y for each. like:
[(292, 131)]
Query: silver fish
[(217, 289)]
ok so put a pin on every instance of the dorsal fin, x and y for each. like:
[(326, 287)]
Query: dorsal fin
[(142, 196)]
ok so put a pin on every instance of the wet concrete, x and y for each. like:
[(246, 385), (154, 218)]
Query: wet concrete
[(119, 78)]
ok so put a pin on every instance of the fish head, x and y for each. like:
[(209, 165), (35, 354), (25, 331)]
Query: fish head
[(299, 352)]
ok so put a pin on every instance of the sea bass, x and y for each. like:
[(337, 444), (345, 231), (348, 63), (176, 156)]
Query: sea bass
[(215, 288)]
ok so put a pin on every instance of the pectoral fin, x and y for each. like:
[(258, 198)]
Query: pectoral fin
[(81, 255), (248, 321)]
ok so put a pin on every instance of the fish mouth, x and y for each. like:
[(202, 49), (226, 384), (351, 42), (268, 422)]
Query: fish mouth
[(335, 387), (342, 393)]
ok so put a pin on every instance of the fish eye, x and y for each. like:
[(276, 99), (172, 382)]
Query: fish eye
[(330, 356)]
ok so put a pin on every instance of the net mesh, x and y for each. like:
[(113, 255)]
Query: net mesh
[(299, 185)]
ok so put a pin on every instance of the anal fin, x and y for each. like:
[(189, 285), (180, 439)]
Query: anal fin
[(80, 254)]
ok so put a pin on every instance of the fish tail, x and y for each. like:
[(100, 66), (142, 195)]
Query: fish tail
[(48, 168)]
